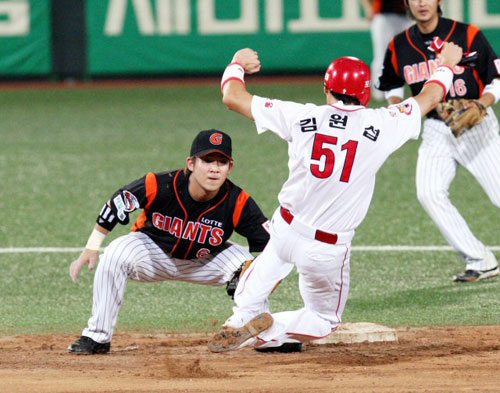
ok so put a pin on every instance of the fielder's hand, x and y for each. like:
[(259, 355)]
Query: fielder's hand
[(89, 257), (249, 59)]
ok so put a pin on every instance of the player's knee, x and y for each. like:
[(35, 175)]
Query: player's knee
[(431, 196), (112, 257)]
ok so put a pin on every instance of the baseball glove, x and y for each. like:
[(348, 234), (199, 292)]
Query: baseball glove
[(461, 114), (233, 283)]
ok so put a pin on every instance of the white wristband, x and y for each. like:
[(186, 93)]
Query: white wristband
[(233, 71), (443, 76), (397, 92), (494, 89), (95, 240)]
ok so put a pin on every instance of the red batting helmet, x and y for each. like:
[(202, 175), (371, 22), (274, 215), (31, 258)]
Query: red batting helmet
[(349, 76)]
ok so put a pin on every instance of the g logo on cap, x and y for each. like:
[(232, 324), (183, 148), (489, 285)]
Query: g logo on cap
[(216, 139)]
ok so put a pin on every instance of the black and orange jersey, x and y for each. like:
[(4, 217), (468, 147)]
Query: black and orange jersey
[(409, 61), (389, 7), (182, 227)]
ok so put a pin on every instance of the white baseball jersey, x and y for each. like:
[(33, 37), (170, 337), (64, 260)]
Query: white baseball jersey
[(334, 152)]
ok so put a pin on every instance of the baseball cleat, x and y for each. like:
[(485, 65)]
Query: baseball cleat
[(476, 275), (230, 339), (86, 346), (283, 348)]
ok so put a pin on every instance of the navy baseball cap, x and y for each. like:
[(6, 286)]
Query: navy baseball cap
[(211, 141)]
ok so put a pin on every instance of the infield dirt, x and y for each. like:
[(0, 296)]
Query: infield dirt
[(444, 359)]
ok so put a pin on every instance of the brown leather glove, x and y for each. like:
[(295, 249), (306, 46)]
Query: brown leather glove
[(461, 114)]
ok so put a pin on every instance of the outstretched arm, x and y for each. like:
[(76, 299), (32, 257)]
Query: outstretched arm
[(234, 93), (436, 88)]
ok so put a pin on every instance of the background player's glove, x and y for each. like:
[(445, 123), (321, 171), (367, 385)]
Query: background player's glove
[(461, 114), (233, 283)]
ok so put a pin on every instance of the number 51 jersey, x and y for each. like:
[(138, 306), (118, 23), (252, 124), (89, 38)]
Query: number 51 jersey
[(334, 153)]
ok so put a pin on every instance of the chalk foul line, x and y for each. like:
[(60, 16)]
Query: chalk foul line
[(42, 250)]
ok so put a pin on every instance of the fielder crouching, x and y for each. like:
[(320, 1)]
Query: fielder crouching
[(187, 217)]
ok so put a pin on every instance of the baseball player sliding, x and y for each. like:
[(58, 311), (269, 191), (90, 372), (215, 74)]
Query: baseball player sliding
[(335, 151), (461, 132), (187, 217)]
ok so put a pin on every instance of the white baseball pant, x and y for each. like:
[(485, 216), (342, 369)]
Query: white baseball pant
[(383, 28), (477, 150), (323, 282), (137, 257)]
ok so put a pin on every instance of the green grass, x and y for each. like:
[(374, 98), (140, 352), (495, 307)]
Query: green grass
[(64, 152)]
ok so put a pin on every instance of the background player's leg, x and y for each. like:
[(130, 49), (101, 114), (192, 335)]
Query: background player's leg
[(478, 150), (383, 28), (380, 39), (436, 168)]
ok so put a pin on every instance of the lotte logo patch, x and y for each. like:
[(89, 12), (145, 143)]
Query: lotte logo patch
[(216, 139)]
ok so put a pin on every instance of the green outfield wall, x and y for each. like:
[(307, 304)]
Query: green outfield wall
[(25, 39), (126, 37), (171, 36)]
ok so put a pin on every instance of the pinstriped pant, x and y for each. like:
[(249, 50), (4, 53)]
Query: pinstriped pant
[(137, 257), (477, 150)]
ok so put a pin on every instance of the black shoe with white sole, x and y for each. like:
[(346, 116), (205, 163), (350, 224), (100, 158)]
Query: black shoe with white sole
[(476, 275), (283, 348), (86, 346)]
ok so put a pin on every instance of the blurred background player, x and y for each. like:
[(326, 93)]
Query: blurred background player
[(182, 234), (335, 152), (388, 18), (409, 60)]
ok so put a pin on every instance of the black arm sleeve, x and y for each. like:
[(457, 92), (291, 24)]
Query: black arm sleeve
[(124, 201), (252, 225), (486, 66), (388, 79)]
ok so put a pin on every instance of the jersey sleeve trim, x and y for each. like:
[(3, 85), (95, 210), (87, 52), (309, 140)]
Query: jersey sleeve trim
[(151, 188), (151, 192), (140, 222), (394, 58), (238, 209), (471, 35)]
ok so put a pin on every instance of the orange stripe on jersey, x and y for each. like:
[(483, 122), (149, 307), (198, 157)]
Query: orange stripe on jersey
[(479, 81), (394, 58), (377, 6), (140, 222), (151, 188), (451, 31), (240, 204), (471, 35), (151, 191), (414, 46)]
